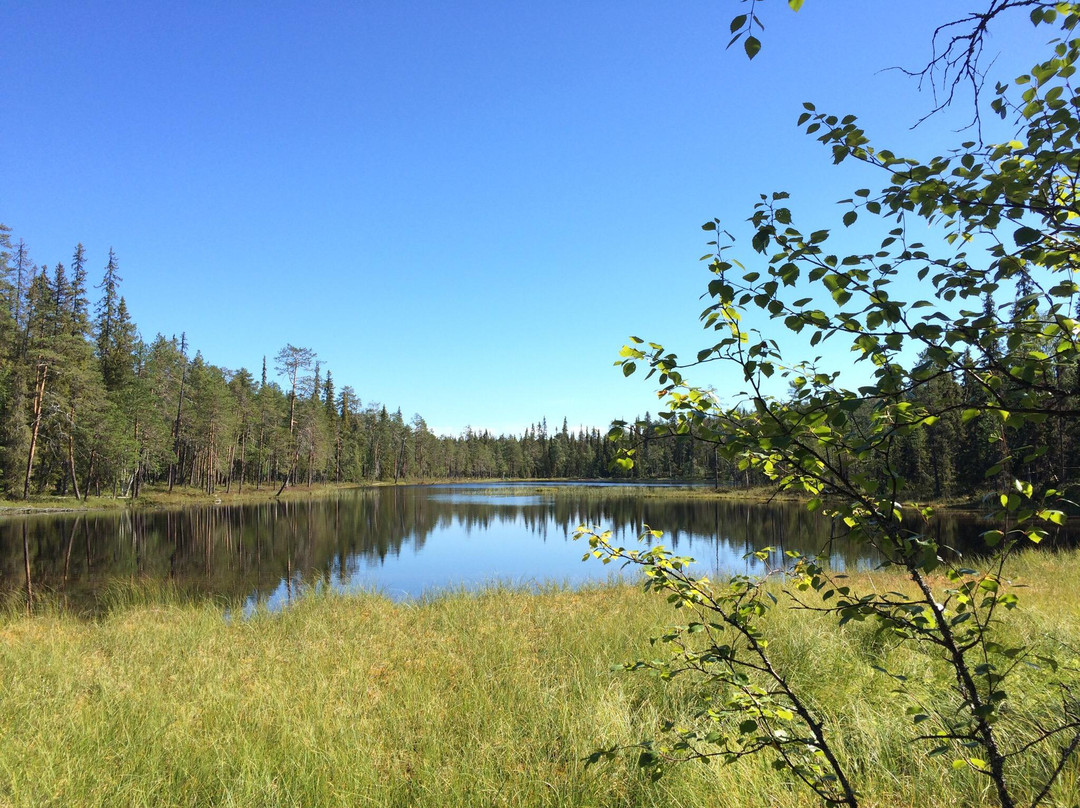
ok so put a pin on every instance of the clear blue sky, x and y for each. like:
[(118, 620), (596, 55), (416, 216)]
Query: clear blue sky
[(463, 208)]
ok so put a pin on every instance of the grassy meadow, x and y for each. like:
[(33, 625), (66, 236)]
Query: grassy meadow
[(487, 699)]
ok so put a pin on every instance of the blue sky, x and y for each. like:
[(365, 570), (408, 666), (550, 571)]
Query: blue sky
[(463, 208)]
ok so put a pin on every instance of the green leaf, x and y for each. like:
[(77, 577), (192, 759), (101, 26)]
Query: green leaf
[(850, 217), (1026, 235), (1057, 517), (752, 45), (738, 22), (795, 4)]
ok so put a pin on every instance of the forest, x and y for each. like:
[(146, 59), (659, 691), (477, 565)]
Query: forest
[(88, 406)]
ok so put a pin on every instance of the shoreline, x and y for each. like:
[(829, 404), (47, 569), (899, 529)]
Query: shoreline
[(154, 498)]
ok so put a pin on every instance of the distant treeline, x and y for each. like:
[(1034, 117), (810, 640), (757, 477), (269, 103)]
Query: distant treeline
[(88, 406)]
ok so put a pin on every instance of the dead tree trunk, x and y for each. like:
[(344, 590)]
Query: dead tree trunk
[(39, 405)]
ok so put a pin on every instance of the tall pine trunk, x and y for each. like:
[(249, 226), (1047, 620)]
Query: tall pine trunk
[(39, 405)]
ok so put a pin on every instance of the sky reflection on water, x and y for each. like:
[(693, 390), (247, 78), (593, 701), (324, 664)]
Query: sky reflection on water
[(404, 542)]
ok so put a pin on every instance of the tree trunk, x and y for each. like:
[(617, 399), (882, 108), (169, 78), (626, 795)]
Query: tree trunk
[(211, 456), (39, 404), (229, 475), (259, 447), (138, 475), (289, 473), (176, 426), (399, 467), (89, 473), (243, 456), (138, 461), (71, 455)]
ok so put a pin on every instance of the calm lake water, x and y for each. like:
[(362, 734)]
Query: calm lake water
[(404, 541)]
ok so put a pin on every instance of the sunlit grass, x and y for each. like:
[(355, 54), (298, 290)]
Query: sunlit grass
[(159, 496), (462, 699)]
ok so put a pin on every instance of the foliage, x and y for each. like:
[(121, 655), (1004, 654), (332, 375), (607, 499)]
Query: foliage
[(1006, 217), (89, 408), (744, 25)]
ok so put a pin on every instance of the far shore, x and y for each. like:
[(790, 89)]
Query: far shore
[(159, 497)]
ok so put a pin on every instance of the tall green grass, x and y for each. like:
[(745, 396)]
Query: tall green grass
[(489, 699)]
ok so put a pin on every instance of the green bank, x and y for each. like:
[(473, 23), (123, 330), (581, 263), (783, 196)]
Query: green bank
[(465, 699)]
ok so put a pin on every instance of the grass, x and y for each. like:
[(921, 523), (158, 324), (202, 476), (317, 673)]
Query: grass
[(158, 496), (489, 699), (181, 496)]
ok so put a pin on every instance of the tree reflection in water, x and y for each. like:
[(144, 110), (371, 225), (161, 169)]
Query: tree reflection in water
[(405, 540)]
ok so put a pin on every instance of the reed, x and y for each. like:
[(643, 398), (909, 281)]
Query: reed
[(461, 699)]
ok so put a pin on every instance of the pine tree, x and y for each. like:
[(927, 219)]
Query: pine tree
[(80, 315), (242, 387), (117, 356), (14, 429), (107, 306), (61, 288), (7, 295), (23, 271), (41, 355)]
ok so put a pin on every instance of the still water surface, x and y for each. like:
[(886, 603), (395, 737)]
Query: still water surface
[(404, 541)]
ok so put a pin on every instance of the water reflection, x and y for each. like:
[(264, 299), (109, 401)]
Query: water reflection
[(403, 541)]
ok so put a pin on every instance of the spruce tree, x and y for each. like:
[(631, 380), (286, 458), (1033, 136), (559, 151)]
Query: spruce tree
[(107, 306), (80, 316), (23, 271)]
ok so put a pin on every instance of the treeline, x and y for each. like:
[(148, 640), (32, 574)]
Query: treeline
[(929, 440), (87, 406), (960, 455), (934, 444)]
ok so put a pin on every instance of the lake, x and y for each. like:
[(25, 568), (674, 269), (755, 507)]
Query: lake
[(405, 541)]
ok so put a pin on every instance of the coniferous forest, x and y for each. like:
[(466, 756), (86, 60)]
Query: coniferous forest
[(89, 406)]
